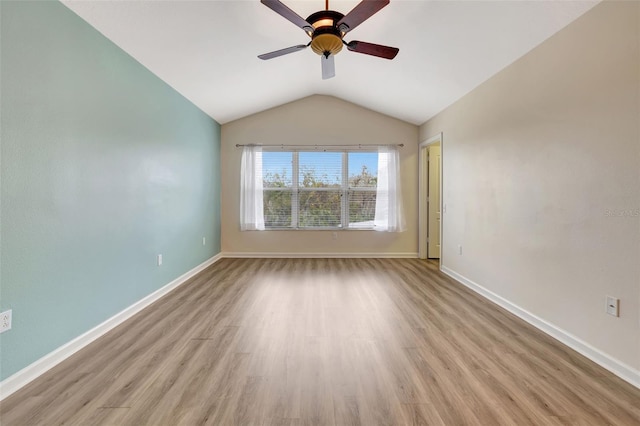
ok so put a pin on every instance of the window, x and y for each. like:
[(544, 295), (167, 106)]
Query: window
[(316, 190), (321, 190)]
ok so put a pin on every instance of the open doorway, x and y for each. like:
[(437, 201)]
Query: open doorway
[(430, 203)]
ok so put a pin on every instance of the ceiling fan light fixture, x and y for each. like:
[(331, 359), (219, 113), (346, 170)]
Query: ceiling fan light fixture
[(324, 18), (326, 38), (326, 43), (323, 22)]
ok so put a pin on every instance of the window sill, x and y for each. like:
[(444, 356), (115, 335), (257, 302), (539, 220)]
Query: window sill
[(320, 229)]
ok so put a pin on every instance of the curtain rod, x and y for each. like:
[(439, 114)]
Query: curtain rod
[(238, 145)]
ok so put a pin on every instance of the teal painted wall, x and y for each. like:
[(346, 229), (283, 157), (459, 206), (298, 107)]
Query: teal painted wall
[(104, 166)]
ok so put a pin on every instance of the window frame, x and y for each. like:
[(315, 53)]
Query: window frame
[(345, 192)]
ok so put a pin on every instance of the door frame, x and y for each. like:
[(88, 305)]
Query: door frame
[(422, 197)]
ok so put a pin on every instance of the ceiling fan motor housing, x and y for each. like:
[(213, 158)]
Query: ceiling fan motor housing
[(326, 38)]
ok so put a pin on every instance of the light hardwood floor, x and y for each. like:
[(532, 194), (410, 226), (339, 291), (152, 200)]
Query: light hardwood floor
[(324, 342)]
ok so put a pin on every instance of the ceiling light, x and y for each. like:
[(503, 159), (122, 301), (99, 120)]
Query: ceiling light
[(325, 22), (326, 44)]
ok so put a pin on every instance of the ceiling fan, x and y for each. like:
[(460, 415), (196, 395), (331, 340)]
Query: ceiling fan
[(327, 29)]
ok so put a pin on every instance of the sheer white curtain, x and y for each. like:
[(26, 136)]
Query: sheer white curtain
[(389, 214), (251, 207)]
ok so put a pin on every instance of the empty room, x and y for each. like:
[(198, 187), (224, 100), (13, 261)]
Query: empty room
[(274, 212)]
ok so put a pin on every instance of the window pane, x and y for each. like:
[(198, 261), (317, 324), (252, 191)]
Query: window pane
[(362, 209), (363, 169), (319, 209), (277, 169), (320, 169), (277, 209), (316, 199)]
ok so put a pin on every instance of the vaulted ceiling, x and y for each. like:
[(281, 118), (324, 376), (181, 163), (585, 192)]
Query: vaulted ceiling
[(207, 50)]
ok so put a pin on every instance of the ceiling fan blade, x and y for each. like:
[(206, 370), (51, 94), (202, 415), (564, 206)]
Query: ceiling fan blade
[(363, 11), (282, 10), (281, 52), (373, 49), (328, 67)]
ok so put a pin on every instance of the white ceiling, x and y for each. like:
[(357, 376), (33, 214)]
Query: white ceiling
[(207, 50)]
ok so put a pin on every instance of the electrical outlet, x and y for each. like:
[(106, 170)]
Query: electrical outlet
[(5, 321), (204, 241), (334, 235), (460, 250), (613, 306), (159, 260)]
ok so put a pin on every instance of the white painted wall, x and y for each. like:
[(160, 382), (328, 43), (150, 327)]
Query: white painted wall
[(318, 120), (539, 162)]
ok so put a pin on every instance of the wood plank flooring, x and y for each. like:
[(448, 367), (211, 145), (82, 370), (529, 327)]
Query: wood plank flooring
[(324, 342)]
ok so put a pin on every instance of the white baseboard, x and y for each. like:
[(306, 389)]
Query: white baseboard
[(265, 255), (615, 366), (39, 367)]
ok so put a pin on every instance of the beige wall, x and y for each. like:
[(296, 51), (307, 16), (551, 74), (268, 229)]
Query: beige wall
[(535, 161), (311, 121)]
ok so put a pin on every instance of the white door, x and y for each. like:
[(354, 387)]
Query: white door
[(433, 246)]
